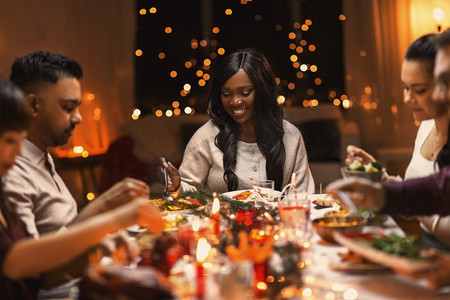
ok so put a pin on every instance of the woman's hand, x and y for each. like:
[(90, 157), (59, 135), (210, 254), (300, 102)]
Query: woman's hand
[(174, 179), (354, 152), (362, 192), (436, 278)]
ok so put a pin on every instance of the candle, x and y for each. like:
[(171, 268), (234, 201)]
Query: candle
[(203, 249), (294, 185), (215, 215)]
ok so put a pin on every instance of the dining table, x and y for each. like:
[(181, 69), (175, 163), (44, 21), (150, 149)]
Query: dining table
[(323, 274)]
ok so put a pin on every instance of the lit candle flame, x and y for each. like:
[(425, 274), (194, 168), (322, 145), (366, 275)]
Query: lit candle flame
[(215, 205), (196, 225), (293, 179), (203, 248)]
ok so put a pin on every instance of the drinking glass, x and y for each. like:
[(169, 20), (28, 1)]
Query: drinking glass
[(266, 187), (294, 211)]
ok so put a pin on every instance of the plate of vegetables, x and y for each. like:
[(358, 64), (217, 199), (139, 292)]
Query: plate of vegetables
[(372, 171), (402, 253)]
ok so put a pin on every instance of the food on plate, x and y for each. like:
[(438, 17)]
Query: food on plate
[(174, 220), (326, 200), (353, 258), (371, 167), (334, 213), (242, 196), (347, 224), (405, 246), (176, 205)]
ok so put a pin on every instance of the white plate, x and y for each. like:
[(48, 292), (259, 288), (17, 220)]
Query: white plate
[(136, 229), (233, 193)]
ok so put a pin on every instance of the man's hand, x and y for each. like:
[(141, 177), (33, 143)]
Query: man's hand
[(122, 192)]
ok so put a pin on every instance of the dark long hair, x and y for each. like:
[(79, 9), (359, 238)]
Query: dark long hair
[(268, 115), (443, 159), (423, 49)]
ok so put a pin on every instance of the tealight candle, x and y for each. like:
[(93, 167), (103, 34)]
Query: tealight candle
[(215, 215), (203, 249)]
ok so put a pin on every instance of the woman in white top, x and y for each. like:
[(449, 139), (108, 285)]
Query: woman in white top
[(246, 135), (418, 84)]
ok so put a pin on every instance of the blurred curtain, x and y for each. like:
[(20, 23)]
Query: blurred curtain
[(376, 35), (100, 35)]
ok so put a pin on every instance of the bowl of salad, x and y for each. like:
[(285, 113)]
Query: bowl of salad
[(372, 171)]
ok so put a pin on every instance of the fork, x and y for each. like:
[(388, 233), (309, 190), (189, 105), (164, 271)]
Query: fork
[(166, 194)]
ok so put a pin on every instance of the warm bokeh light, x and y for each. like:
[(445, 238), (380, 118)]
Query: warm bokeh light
[(161, 55), (228, 12), (350, 294), (310, 92), (278, 27), (336, 102), (299, 49), (169, 113), (152, 10), (368, 90), (201, 82), (394, 109), (307, 292), (216, 30), (303, 43), (313, 68), (142, 11), (312, 48), (91, 96), (78, 149), (203, 43), (281, 99), (187, 87), (292, 35), (199, 73), (187, 110), (173, 74), (294, 58), (305, 27), (314, 102), (168, 30), (221, 51), (84, 154), (346, 104), (308, 22), (203, 249), (299, 75), (188, 65), (90, 196), (343, 97), (258, 18), (194, 44), (317, 81), (262, 286), (363, 53), (206, 76), (277, 80), (138, 52), (292, 46), (158, 113), (297, 25), (303, 68), (291, 86), (207, 62), (342, 17), (438, 14), (296, 65)]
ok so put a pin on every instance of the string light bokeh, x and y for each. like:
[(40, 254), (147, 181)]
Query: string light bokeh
[(179, 46)]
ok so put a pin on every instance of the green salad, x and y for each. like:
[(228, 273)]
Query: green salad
[(405, 246), (356, 165)]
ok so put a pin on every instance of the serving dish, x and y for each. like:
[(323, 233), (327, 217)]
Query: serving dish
[(399, 263), (325, 226)]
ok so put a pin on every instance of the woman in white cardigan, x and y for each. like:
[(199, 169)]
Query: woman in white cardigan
[(246, 135)]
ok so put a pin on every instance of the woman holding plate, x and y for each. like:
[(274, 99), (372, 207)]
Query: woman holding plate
[(246, 135)]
